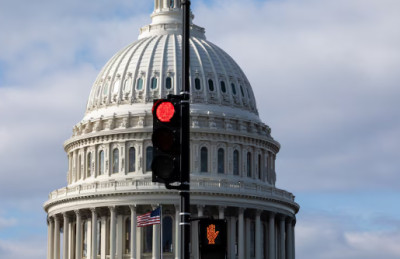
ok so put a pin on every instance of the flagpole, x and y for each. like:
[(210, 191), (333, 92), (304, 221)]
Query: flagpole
[(161, 233)]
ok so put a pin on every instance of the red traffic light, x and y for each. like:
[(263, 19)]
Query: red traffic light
[(165, 111)]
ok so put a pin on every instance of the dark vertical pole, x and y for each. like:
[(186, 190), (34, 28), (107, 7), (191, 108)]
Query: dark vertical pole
[(185, 151)]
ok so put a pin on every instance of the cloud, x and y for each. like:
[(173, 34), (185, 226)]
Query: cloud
[(7, 222), (331, 236), (32, 248)]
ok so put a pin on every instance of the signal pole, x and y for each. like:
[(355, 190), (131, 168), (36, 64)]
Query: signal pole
[(185, 135)]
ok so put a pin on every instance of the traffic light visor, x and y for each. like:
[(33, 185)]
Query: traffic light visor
[(165, 111)]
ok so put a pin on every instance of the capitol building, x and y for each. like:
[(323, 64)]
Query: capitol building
[(109, 178)]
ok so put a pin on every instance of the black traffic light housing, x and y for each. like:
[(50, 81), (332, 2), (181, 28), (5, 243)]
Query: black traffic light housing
[(166, 140), (213, 238)]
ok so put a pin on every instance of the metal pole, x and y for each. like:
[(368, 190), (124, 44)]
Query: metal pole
[(185, 134)]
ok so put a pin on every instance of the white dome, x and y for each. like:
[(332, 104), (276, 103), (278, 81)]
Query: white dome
[(150, 68)]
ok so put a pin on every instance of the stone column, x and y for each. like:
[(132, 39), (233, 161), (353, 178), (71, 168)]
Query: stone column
[(71, 241), (221, 212), (94, 233), (112, 232), (241, 234), (78, 236), (119, 246), (133, 231), (66, 236), (248, 237), (50, 238), (289, 240), (258, 235), (271, 228), (282, 237), (232, 238), (56, 237), (103, 238), (177, 233)]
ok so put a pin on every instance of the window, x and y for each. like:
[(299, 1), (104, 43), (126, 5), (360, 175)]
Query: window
[(132, 159), (153, 83), (89, 164), (139, 85), (127, 85), (105, 90), (127, 236), (248, 164), (223, 88), (101, 162), (252, 239), (211, 85), (98, 237), (79, 166), (235, 162), (115, 161), (85, 238), (203, 159), (221, 161), (116, 87), (241, 90), (259, 167), (197, 84), (168, 83), (149, 158), (233, 88), (171, 3), (167, 234)]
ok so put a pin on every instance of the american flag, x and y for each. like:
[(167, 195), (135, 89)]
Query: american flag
[(150, 218)]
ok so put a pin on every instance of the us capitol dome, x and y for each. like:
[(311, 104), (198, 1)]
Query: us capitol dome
[(110, 152)]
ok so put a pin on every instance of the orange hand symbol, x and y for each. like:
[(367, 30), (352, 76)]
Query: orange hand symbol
[(211, 234)]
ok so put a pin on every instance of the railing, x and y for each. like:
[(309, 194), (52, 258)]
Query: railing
[(229, 186)]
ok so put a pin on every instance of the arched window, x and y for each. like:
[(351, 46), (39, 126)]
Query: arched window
[(149, 158), (233, 88), (116, 87), (248, 164), (105, 90), (241, 90), (167, 234), (127, 85), (197, 84), (223, 87), (203, 159), (115, 161), (127, 236), (101, 162), (153, 83), (259, 167), (235, 162), (211, 85), (89, 164), (139, 85), (132, 159), (168, 83), (221, 161), (148, 239)]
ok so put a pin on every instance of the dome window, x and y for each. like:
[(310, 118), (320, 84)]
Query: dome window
[(203, 160), (168, 83), (153, 83), (101, 162), (105, 90), (197, 84), (132, 159), (248, 164), (223, 87), (211, 85), (89, 163), (127, 85), (233, 88), (221, 161), (241, 90), (235, 162), (139, 85), (116, 87), (115, 161), (149, 158)]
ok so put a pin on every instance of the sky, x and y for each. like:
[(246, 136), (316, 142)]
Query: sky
[(326, 78)]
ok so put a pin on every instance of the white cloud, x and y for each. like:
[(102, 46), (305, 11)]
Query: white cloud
[(7, 222), (32, 248)]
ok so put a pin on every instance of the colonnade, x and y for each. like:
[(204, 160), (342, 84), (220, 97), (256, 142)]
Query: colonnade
[(252, 233)]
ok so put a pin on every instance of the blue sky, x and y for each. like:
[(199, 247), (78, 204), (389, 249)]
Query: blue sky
[(325, 74)]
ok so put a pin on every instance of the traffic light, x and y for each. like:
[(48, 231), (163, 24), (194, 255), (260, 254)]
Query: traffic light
[(212, 236), (166, 140)]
